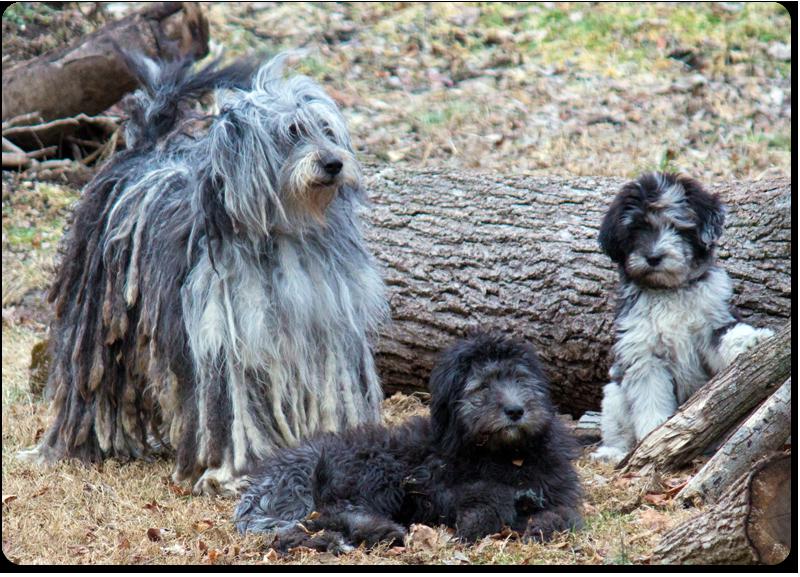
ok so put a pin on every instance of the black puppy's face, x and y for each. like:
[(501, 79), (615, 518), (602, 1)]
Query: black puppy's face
[(501, 404), (662, 230), (488, 391)]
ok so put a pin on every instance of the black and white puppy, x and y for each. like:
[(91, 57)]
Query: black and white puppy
[(492, 454), (674, 323)]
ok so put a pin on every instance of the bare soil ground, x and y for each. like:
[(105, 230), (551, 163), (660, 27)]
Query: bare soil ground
[(547, 88)]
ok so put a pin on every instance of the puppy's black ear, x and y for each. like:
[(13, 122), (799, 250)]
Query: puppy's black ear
[(708, 210), (613, 231), (446, 382)]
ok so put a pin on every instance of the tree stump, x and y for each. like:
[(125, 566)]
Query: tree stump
[(88, 77), (752, 522)]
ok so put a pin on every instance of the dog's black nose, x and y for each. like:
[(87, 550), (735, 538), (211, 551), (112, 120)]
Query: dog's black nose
[(653, 260), (514, 413), (332, 165)]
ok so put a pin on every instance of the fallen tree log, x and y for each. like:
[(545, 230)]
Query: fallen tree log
[(88, 77), (717, 407), (752, 523), (461, 250), (764, 432)]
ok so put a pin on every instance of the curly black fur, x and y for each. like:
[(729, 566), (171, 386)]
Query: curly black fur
[(492, 454)]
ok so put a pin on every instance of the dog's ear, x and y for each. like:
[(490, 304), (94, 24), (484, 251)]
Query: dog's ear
[(708, 210), (446, 382), (613, 230)]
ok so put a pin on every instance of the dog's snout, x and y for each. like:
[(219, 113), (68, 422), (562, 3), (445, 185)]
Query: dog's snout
[(655, 259), (514, 412), (332, 165)]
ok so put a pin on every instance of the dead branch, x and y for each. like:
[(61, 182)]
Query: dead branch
[(765, 431)]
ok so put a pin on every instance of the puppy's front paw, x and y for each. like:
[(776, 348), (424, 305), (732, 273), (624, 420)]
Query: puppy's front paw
[(380, 532), (739, 339), (541, 526), (472, 525), (608, 454)]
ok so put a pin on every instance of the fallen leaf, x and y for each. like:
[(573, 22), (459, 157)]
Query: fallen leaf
[(123, 543), (505, 533), (560, 545), (656, 498), (8, 498), (517, 462), (154, 534), (313, 515), (177, 489), (422, 537), (589, 509), (41, 492), (153, 506), (395, 551), (202, 545), (654, 520), (271, 555), (301, 550), (213, 555), (175, 549), (674, 485), (201, 526)]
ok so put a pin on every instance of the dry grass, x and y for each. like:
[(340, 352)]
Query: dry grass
[(74, 514), (553, 88)]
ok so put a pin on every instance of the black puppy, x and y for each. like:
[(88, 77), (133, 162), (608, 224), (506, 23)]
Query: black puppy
[(492, 454)]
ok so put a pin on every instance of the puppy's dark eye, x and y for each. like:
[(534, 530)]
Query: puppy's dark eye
[(294, 131)]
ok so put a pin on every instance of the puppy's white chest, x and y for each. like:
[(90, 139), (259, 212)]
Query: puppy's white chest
[(671, 317)]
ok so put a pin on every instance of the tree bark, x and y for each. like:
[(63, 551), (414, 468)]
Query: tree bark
[(462, 250), (714, 409), (752, 523), (765, 431), (89, 76)]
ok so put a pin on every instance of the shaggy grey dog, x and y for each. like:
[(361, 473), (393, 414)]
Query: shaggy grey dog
[(215, 296), (492, 454), (675, 327)]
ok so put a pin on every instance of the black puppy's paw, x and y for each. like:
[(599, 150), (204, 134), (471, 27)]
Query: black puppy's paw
[(472, 525), (381, 531), (541, 526)]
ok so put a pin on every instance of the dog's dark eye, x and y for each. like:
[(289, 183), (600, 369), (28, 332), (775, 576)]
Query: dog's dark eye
[(329, 132), (294, 131)]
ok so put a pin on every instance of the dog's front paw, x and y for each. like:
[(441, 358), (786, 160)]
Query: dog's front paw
[(381, 532), (220, 482), (608, 454), (739, 339), (542, 526), (472, 525)]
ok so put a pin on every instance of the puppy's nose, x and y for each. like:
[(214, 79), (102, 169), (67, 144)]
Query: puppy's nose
[(332, 165), (654, 259), (514, 413)]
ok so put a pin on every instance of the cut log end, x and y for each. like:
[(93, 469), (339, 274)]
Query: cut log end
[(769, 524), (750, 524)]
